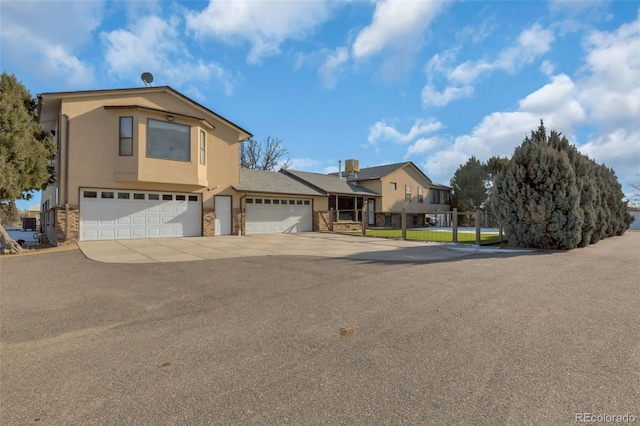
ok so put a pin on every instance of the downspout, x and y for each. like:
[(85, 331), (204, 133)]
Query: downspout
[(66, 177)]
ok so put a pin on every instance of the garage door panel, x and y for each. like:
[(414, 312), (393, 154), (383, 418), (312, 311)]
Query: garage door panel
[(106, 233), (124, 221), (111, 218), (90, 234), (153, 232), (91, 209), (138, 220), (138, 233), (123, 233), (279, 218)]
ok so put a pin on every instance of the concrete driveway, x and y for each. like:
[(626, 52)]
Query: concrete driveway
[(302, 244)]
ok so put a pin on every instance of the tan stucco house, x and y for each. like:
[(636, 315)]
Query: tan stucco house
[(401, 186), (150, 162), (138, 163)]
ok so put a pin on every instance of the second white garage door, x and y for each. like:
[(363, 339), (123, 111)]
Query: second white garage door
[(275, 215)]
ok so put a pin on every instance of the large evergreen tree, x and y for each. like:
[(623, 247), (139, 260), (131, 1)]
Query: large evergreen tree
[(536, 197), (25, 147), (552, 196), (469, 186), (585, 181)]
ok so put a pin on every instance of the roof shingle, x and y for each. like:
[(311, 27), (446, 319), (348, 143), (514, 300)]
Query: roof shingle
[(261, 181), (330, 184)]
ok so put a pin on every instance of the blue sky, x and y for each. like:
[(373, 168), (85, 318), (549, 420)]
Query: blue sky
[(383, 82)]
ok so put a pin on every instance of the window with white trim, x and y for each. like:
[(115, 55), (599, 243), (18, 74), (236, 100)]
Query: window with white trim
[(126, 137), (203, 147)]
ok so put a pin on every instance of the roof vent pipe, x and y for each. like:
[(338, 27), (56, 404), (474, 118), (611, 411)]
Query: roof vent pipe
[(340, 169)]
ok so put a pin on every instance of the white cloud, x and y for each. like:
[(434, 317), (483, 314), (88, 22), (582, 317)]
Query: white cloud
[(396, 24), (577, 8), (263, 24), (618, 149), (424, 145), (603, 100), (382, 132), (611, 91), (557, 99), (333, 66), (500, 132), (303, 164), (477, 34), (532, 43), (547, 68), (431, 96), (153, 45), (469, 71), (33, 39)]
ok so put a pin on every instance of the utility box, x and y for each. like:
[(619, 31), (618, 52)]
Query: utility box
[(29, 223), (351, 165)]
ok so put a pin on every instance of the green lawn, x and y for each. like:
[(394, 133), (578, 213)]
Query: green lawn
[(438, 236)]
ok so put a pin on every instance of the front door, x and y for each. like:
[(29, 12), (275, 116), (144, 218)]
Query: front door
[(222, 204), (371, 207)]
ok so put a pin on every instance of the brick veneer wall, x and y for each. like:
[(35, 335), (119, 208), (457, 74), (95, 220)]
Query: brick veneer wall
[(347, 226), (321, 221), (208, 222), (238, 225), (61, 224)]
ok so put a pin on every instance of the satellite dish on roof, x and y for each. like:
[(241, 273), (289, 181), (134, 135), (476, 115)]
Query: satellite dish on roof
[(147, 77)]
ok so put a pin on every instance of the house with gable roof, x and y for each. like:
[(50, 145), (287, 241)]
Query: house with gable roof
[(149, 162)]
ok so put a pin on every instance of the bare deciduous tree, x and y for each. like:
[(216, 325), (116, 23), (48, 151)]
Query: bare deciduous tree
[(635, 195), (267, 155)]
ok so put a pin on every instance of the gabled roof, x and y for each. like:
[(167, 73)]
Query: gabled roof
[(378, 172), (264, 182), (55, 97), (329, 184)]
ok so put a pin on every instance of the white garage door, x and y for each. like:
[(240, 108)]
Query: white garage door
[(273, 215), (107, 214)]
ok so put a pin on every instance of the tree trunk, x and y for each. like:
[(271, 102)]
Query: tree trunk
[(6, 243)]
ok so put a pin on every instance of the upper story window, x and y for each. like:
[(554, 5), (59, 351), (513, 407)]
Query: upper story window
[(393, 186), (203, 147), (440, 196), (168, 140), (407, 193), (126, 136), (420, 195)]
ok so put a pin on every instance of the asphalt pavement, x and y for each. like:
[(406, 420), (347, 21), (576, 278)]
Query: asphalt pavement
[(486, 339)]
